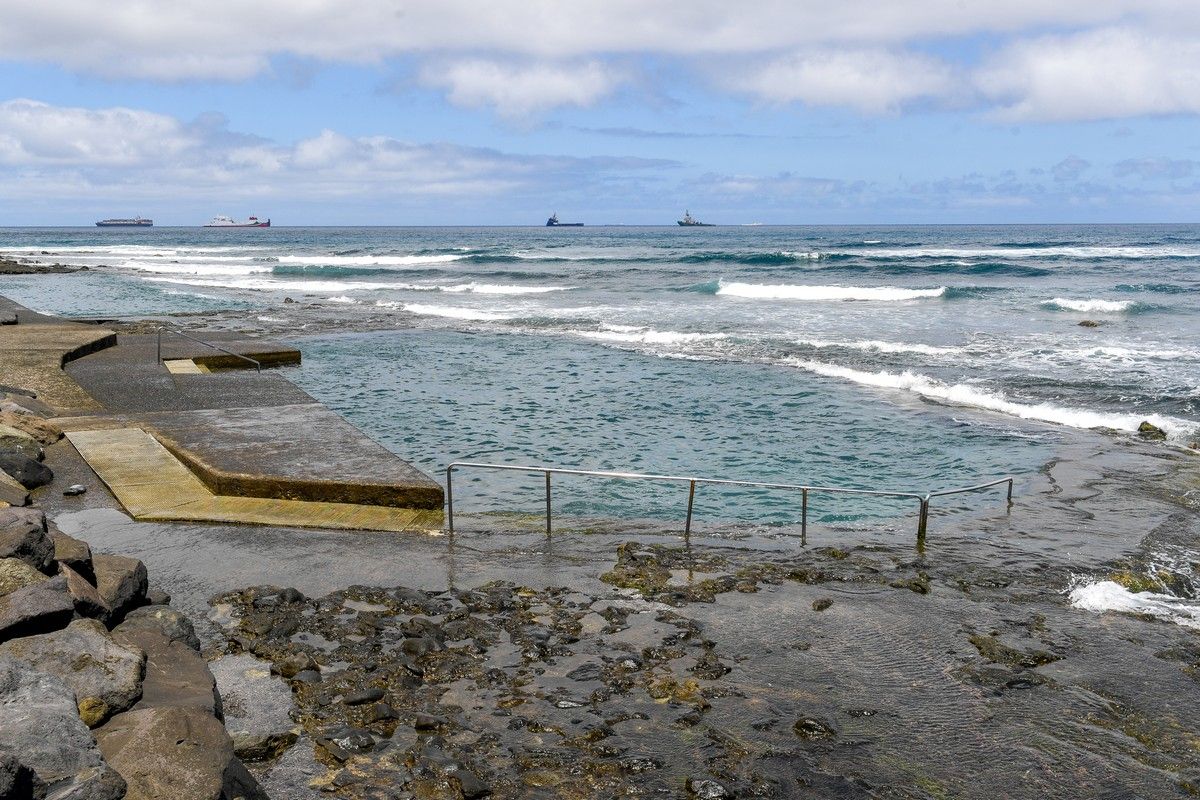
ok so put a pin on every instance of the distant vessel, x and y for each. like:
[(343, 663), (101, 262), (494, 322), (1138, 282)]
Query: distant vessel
[(689, 221), (554, 223), (136, 222), (223, 221)]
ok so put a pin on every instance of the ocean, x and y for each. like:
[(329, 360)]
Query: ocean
[(908, 358)]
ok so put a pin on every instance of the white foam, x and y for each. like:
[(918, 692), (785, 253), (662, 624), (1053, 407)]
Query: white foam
[(1101, 596), (341, 298), (633, 335), (368, 261), (970, 396), (494, 288), (452, 312), (880, 346), (1126, 355), (811, 256), (1009, 253), (1091, 306), (191, 267), (759, 291), (269, 285)]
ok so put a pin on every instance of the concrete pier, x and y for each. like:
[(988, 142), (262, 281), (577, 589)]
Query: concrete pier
[(195, 436)]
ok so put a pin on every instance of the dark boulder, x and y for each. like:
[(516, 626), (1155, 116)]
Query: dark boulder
[(24, 470), (175, 674), (63, 754), (122, 583), (175, 752), (23, 535), (74, 553), (41, 608)]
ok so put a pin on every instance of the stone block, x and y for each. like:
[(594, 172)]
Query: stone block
[(41, 608), (86, 658), (41, 728), (175, 752)]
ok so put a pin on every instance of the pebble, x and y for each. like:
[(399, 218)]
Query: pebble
[(369, 695)]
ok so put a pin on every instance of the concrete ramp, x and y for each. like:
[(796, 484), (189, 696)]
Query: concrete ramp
[(153, 485)]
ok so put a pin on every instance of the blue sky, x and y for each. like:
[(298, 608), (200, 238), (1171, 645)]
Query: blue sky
[(455, 112)]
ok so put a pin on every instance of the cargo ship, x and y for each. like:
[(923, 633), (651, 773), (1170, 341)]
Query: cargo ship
[(222, 221), (554, 223), (689, 221), (136, 222)]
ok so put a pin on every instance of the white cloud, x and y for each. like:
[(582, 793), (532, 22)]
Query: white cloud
[(127, 153), (872, 81), (1100, 74), (1112, 58), (517, 90), (36, 133)]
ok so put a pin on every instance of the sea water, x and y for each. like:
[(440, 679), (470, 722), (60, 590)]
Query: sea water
[(911, 358)]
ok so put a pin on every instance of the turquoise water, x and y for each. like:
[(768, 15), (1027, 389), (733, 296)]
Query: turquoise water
[(442, 396), (906, 357)]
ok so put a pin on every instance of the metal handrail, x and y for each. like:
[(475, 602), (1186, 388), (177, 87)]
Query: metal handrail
[(257, 364), (804, 489)]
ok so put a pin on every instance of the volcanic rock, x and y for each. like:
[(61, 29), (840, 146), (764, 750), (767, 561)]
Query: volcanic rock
[(24, 470), (89, 661), (62, 753), (175, 673), (74, 553), (23, 535), (36, 609), (16, 574), (122, 583), (13, 440), (177, 753)]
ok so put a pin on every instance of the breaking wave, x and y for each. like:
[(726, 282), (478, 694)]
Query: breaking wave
[(371, 261), (970, 396), (450, 312), (757, 291), (1101, 596), (630, 334), (1090, 306)]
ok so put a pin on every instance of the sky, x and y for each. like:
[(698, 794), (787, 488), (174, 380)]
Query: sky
[(458, 112)]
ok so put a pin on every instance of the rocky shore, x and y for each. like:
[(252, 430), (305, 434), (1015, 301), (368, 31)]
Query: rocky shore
[(103, 691)]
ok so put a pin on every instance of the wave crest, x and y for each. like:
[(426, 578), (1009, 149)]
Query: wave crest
[(758, 291)]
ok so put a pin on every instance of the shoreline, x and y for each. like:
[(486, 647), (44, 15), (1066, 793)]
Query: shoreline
[(756, 666)]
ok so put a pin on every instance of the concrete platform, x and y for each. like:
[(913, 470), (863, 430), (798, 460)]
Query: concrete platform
[(238, 445), (293, 452), (34, 351), (153, 485)]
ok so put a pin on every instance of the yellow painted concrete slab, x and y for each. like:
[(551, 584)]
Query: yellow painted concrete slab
[(153, 485), (184, 366)]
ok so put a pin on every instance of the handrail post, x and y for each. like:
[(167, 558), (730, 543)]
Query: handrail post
[(1010, 491), (450, 498), (804, 515), (923, 521), (160, 330), (687, 527), (547, 503)]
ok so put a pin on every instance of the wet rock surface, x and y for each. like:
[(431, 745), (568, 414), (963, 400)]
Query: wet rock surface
[(257, 707), (726, 673)]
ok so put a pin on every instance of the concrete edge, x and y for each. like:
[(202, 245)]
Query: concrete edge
[(221, 482)]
